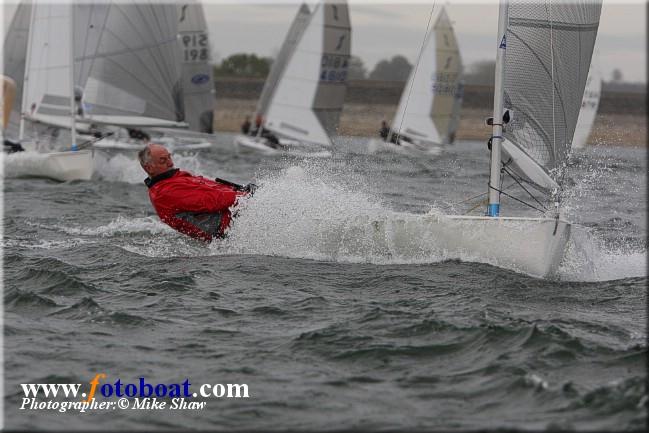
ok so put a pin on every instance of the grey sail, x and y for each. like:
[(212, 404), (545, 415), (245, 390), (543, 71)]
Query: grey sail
[(197, 81), (15, 53), (126, 60), (330, 96), (548, 53), (293, 36)]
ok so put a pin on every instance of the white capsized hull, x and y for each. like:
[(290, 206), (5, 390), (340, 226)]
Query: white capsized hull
[(61, 166), (290, 147)]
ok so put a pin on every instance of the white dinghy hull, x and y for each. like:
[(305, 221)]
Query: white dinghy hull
[(534, 246), (526, 245), (70, 165), (60, 166), (254, 143), (375, 145), (289, 147)]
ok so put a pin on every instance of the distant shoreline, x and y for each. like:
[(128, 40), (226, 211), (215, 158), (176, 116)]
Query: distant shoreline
[(364, 120)]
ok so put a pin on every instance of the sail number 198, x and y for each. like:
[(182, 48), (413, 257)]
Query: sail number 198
[(195, 47)]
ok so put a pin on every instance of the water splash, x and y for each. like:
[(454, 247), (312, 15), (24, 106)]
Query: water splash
[(120, 226), (309, 212), (588, 259)]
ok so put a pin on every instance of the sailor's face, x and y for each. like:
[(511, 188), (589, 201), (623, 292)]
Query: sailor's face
[(160, 161)]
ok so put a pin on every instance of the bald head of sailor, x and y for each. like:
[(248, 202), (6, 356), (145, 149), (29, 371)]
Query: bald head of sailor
[(155, 159)]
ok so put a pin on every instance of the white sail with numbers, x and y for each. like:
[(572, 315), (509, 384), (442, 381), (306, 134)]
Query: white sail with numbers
[(197, 81), (428, 111), (310, 93), (127, 63), (589, 105)]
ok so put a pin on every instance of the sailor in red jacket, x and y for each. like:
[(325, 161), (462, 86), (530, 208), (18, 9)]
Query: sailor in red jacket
[(193, 205)]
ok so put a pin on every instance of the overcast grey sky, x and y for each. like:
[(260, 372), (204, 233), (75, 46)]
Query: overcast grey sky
[(382, 29)]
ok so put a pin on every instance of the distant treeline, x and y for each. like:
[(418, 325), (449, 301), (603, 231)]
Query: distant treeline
[(397, 68), (251, 66), (388, 92)]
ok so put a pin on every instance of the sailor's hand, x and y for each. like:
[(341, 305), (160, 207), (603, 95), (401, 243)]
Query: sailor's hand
[(249, 188)]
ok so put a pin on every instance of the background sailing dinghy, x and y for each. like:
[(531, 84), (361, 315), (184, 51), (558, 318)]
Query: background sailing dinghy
[(197, 84), (543, 58), (48, 97), (305, 90), (429, 109), (132, 80), (589, 106)]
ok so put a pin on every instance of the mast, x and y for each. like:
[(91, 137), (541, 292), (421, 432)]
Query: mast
[(497, 132), (73, 114), (30, 41)]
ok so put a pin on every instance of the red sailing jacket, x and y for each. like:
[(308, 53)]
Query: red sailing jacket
[(193, 205)]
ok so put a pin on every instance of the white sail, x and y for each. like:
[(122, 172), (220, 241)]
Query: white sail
[(589, 105), (197, 81), (48, 81), (127, 60), (293, 36), (429, 108), (15, 52), (308, 100), (549, 48)]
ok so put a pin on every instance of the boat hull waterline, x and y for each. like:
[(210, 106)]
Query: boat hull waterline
[(533, 246), (60, 166), (259, 145)]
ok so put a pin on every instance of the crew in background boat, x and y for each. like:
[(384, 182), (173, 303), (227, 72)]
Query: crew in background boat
[(193, 205), (138, 134), (273, 141), (245, 126), (384, 131), (395, 138)]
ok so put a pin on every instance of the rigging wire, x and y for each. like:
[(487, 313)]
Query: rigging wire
[(524, 189), (500, 191), (412, 82)]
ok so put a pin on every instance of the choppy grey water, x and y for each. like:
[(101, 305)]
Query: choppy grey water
[(327, 335)]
